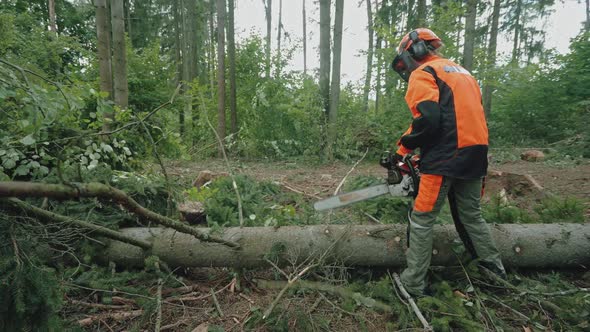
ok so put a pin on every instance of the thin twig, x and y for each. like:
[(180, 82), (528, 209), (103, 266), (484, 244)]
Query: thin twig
[(158, 300), (408, 297), (229, 169), (477, 293), (350, 171), (217, 306)]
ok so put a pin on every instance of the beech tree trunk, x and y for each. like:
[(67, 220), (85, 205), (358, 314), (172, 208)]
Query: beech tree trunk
[(521, 245), (119, 54), (103, 35)]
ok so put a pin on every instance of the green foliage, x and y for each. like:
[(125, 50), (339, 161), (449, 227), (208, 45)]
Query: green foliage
[(548, 210), (30, 293)]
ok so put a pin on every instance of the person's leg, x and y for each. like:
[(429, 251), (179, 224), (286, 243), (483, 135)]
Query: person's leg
[(464, 200), (431, 196)]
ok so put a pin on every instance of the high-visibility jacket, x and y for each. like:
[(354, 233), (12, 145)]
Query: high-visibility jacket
[(449, 123)]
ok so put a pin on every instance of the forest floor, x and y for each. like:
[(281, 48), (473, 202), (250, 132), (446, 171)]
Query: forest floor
[(239, 302)]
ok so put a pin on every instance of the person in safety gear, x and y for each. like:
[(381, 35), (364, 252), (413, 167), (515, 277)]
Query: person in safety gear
[(449, 127)]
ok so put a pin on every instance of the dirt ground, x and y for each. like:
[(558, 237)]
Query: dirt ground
[(563, 179)]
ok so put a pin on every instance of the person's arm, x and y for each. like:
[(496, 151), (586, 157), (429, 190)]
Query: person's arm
[(422, 98)]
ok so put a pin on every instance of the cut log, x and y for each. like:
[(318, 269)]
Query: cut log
[(521, 245)]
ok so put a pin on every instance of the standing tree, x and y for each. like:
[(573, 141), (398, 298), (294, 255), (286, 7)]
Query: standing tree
[(51, 12), (268, 14), (279, 28), (231, 49), (491, 58), (587, 25), (103, 33), (305, 40), (468, 47), (335, 85), (324, 80), (367, 86), (178, 50), (221, 72), (211, 55), (411, 16), (121, 88)]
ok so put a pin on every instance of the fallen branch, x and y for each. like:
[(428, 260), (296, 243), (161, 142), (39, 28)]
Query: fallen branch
[(409, 298), (117, 316), (350, 171), (330, 289), (104, 192), (55, 218), (99, 305), (216, 302)]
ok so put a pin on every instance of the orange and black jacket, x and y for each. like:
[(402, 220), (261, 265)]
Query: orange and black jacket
[(449, 124)]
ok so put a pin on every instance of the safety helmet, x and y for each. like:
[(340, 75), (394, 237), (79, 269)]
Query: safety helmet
[(414, 46)]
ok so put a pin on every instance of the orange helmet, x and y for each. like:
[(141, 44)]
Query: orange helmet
[(418, 42), (414, 47)]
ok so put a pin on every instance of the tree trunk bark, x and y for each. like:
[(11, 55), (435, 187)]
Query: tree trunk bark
[(517, 13), (305, 39), (103, 33), (369, 72), (530, 245), (491, 59), (324, 79), (51, 12), (587, 25), (119, 55), (221, 72), (128, 19), (335, 84), (177, 9), (468, 47), (268, 14), (211, 62), (411, 17), (279, 28), (231, 49)]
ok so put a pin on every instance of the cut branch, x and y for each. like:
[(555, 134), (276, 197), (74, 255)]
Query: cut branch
[(54, 217), (104, 192)]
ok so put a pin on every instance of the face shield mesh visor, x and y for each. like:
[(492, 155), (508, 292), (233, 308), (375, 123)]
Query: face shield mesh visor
[(404, 64)]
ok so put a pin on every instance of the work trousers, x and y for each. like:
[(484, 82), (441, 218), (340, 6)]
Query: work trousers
[(464, 199)]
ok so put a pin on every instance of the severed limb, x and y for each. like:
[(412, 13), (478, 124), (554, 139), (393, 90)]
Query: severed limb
[(103, 192)]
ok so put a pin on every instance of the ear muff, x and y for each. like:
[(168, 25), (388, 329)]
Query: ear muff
[(418, 49)]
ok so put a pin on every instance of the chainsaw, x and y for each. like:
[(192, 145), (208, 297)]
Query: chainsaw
[(403, 178)]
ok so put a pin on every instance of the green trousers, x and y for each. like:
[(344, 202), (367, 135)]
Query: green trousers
[(464, 199)]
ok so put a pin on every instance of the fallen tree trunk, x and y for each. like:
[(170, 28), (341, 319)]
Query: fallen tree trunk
[(522, 245)]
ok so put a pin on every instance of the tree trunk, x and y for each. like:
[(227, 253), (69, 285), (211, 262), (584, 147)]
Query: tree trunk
[(119, 55), (279, 28), (369, 72), (305, 40), (517, 13), (221, 72), (268, 14), (335, 85), (211, 62), (51, 12), (179, 50), (421, 14), (324, 79), (128, 19), (521, 245), (231, 49), (379, 62), (491, 59), (468, 47), (103, 33)]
